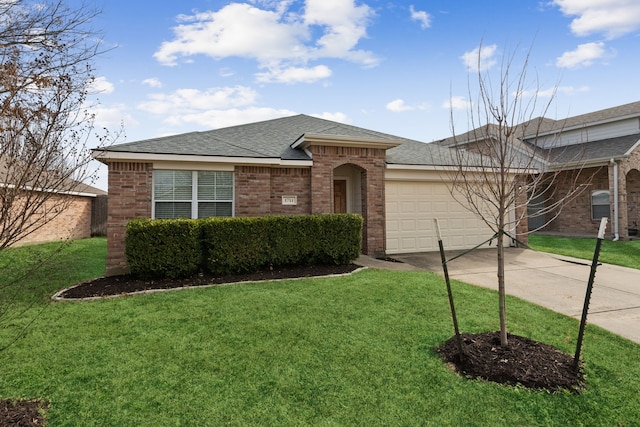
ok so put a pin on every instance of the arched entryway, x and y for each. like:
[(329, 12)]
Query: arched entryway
[(349, 194), (633, 202), (347, 189)]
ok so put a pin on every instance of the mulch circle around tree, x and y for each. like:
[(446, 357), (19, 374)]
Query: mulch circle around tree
[(22, 413), (523, 362)]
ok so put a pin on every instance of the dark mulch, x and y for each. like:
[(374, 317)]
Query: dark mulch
[(523, 362), (117, 285), (22, 413)]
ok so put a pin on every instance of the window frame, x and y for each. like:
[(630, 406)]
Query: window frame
[(600, 205), (194, 201)]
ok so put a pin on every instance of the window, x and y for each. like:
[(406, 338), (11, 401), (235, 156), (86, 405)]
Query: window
[(192, 194), (600, 204)]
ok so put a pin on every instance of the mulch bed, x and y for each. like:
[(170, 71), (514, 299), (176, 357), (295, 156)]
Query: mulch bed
[(22, 413), (118, 285), (523, 362)]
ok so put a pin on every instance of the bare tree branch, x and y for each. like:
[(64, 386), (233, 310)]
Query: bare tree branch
[(501, 164)]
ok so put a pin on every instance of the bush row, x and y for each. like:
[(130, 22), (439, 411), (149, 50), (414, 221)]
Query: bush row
[(181, 247)]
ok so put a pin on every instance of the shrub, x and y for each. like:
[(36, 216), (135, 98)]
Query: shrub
[(163, 248), (235, 245)]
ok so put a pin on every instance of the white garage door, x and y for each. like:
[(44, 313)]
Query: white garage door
[(411, 207)]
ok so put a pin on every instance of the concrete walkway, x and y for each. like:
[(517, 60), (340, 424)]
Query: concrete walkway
[(553, 281)]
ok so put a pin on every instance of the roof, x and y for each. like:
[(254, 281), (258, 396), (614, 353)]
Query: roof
[(597, 117), (63, 185), (273, 139), (594, 151)]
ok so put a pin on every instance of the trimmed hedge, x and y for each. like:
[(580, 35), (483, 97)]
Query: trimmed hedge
[(163, 247), (180, 248), (236, 245)]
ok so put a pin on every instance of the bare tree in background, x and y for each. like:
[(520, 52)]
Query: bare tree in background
[(500, 165), (47, 50), (46, 53)]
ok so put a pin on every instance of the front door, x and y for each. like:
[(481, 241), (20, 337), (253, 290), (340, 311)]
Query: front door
[(340, 196)]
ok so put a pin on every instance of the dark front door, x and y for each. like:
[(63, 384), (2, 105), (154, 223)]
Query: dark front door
[(340, 196)]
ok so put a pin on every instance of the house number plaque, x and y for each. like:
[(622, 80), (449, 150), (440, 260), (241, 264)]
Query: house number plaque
[(289, 200)]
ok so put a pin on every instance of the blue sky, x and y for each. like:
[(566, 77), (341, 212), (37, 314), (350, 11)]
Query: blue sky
[(396, 67)]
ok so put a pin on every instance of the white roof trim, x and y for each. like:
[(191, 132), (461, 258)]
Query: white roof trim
[(396, 166), (45, 190), (343, 141), (149, 157), (633, 147)]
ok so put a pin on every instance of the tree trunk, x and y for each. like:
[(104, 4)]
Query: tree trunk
[(501, 292)]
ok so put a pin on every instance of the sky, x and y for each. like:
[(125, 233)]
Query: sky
[(404, 68)]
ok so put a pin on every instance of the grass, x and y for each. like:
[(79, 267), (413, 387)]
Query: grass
[(356, 350), (624, 253)]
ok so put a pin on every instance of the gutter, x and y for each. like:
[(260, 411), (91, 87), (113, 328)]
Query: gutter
[(616, 222)]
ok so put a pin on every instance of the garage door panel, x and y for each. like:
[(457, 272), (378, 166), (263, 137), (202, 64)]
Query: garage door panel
[(411, 207)]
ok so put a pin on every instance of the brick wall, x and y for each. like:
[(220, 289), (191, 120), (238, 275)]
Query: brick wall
[(130, 190), (629, 173), (291, 182), (372, 163), (65, 217), (575, 216)]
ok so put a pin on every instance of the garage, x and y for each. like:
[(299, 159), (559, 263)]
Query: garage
[(411, 204)]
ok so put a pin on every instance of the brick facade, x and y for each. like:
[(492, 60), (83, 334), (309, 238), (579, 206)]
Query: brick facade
[(259, 190), (130, 190), (66, 217), (372, 163), (576, 217)]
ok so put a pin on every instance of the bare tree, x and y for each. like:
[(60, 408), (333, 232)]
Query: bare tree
[(500, 165), (46, 53), (47, 48)]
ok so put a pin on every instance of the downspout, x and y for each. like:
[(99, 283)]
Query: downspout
[(616, 226)]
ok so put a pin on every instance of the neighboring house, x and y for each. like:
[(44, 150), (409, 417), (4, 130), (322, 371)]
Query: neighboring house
[(62, 214), (78, 220), (601, 149), (291, 166)]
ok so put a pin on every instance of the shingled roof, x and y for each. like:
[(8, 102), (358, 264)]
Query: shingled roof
[(272, 139)]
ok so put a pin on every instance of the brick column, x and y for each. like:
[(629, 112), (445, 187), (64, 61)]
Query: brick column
[(130, 190), (372, 163)]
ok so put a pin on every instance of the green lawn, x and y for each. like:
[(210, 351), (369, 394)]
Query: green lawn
[(356, 350), (624, 253)]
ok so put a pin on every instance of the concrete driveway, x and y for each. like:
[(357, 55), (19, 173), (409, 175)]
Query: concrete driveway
[(553, 281)]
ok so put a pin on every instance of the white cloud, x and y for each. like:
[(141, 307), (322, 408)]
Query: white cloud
[(112, 117), (186, 101), (226, 72), (101, 85), (335, 117), (214, 119), (553, 91), (583, 56), (152, 82), (343, 24), (612, 18), (295, 75), (211, 108), (398, 106), (277, 38), (421, 16), (480, 58), (456, 103)]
